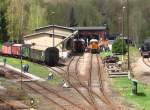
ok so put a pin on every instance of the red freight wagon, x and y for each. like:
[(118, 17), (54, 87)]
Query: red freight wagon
[(16, 49), (6, 48)]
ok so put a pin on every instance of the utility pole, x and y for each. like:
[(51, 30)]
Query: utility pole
[(21, 34), (21, 64), (128, 33), (52, 13), (123, 32)]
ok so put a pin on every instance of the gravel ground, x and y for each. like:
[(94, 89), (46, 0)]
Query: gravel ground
[(141, 70)]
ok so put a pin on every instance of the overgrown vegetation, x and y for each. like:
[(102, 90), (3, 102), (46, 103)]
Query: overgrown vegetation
[(20, 17), (141, 100), (104, 54), (134, 54)]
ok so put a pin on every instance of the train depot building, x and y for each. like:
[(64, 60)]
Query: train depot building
[(42, 37), (89, 33), (62, 37)]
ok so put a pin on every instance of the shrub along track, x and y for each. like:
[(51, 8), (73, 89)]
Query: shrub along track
[(146, 61), (90, 99)]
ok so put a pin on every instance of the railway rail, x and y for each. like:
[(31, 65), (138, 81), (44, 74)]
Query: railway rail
[(146, 61), (47, 92), (90, 99), (7, 106), (92, 95)]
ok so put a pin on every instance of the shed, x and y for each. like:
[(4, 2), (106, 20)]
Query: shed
[(42, 38)]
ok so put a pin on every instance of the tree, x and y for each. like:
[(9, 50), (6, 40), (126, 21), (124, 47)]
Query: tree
[(72, 18), (119, 47), (15, 15), (3, 20), (36, 15)]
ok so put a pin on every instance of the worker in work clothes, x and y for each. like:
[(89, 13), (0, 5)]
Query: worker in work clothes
[(4, 60), (50, 76)]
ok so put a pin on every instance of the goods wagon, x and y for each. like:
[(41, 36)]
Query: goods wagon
[(16, 49), (6, 48), (26, 50), (51, 58), (37, 55)]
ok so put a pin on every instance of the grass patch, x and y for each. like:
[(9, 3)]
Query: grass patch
[(0, 44), (134, 54), (35, 69), (55, 81), (104, 54), (123, 86)]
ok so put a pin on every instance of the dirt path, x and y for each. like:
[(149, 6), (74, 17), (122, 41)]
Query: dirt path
[(141, 70)]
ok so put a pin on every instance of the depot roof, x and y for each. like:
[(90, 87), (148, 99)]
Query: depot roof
[(91, 28), (56, 26)]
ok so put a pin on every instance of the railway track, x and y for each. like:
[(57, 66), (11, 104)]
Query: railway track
[(100, 73), (52, 95), (146, 61), (72, 85), (7, 105), (90, 99), (48, 93)]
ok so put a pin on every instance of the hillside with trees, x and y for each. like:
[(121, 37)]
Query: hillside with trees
[(20, 17)]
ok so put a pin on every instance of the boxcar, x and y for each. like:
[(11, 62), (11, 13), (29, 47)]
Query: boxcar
[(26, 50), (37, 55), (6, 48), (16, 49)]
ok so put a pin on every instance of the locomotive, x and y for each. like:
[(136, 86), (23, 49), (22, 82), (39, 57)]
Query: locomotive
[(94, 48), (145, 49), (78, 45)]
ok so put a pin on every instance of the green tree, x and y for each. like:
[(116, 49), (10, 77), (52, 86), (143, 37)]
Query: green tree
[(3, 20), (15, 18), (119, 47), (37, 16), (72, 19)]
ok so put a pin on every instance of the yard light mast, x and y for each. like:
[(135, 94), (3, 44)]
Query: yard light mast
[(128, 34), (123, 32), (21, 64), (53, 13)]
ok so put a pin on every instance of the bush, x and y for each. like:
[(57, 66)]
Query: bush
[(119, 47), (51, 56)]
